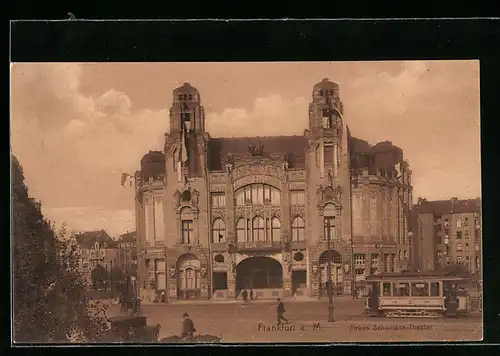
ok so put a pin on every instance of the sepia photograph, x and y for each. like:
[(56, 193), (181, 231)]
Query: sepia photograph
[(246, 202)]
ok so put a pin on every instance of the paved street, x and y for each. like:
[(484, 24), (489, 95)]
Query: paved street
[(238, 322)]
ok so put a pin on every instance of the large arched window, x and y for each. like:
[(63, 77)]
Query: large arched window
[(298, 229), (258, 232), (275, 229), (257, 194), (219, 231), (240, 230)]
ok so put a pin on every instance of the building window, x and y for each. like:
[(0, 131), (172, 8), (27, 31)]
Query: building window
[(466, 222), (375, 260), (297, 197), (387, 289), (328, 153), (298, 229), (258, 232), (218, 200), (190, 97), (257, 194), (359, 271), (329, 224), (466, 247), (459, 259), (459, 223), (359, 259), (434, 289), (187, 231), (476, 247), (219, 231), (459, 235), (459, 247), (240, 230), (439, 240), (275, 229), (467, 235)]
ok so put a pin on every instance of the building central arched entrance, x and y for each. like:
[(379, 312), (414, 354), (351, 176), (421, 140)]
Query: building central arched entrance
[(188, 277), (262, 275), (337, 273)]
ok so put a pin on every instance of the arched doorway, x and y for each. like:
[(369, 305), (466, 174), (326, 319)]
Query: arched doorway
[(259, 273), (188, 277), (337, 272)]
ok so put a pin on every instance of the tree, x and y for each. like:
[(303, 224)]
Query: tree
[(116, 277), (99, 276), (49, 300)]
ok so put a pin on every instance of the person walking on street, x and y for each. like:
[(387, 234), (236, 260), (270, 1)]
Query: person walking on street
[(280, 311), (187, 327), (244, 295), (251, 294)]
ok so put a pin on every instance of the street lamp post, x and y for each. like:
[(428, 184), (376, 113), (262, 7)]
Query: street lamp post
[(329, 272)]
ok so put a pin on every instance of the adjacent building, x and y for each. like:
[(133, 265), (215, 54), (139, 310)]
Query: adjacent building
[(127, 250), (447, 232), (96, 248), (215, 216)]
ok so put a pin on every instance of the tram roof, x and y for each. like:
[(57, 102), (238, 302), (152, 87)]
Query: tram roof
[(413, 276)]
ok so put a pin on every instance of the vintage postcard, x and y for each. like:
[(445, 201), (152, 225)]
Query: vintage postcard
[(246, 202)]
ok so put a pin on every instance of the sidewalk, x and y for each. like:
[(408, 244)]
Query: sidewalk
[(240, 301)]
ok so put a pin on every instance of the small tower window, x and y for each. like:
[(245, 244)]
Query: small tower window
[(190, 97), (327, 119), (185, 97), (321, 93), (180, 96)]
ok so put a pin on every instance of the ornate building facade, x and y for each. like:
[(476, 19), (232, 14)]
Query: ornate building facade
[(216, 216)]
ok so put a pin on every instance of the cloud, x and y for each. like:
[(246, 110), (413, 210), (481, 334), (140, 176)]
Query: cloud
[(271, 115), (74, 147)]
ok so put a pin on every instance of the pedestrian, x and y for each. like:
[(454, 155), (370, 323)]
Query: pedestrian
[(163, 296), (187, 327), (280, 311), (251, 294), (244, 295)]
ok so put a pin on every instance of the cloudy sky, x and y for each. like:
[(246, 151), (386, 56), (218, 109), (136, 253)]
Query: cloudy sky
[(77, 126)]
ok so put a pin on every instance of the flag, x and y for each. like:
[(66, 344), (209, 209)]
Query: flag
[(183, 157), (124, 178), (397, 167)]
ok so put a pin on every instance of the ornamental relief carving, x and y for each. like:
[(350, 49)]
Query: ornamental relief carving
[(239, 212), (258, 210), (257, 179), (329, 194), (297, 186), (217, 188), (218, 213), (276, 212), (218, 177), (258, 168), (298, 211), (186, 197), (296, 175)]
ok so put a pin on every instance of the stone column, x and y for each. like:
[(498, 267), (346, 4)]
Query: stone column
[(231, 276), (287, 274)]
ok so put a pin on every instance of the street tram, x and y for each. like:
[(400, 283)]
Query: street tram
[(416, 295)]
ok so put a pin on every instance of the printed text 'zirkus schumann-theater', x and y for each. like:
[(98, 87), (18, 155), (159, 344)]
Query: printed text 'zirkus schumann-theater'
[(216, 216)]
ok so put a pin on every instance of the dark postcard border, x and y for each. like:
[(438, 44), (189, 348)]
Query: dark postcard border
[(297, 41)]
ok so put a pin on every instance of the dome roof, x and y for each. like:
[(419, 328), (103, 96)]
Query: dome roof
[(186, 88), (326, 84), (153, 164)]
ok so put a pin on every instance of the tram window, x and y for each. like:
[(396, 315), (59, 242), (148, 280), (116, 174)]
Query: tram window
[(420, 289), (402, 290), (387, 289), (435, 289)]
